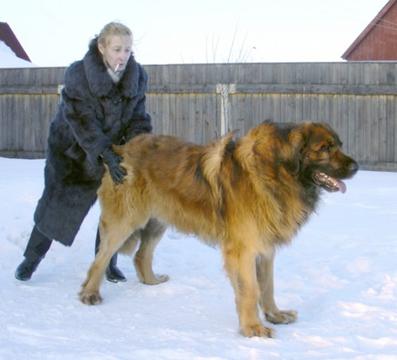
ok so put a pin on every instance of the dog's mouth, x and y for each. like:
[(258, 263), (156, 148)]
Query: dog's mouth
[(328, 182)]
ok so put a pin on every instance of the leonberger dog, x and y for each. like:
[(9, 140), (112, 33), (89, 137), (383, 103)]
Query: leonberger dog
[(248, 196)]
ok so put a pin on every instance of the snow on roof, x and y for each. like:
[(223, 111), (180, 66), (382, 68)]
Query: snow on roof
[(8, 59)]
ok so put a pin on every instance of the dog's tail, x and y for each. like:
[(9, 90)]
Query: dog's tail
[(211, 161)]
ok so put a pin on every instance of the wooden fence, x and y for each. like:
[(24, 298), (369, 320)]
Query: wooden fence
[(202, 101)]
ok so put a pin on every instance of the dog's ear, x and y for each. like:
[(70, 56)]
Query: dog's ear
[(294, 156)]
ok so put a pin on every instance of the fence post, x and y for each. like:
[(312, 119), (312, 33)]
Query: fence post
[(224, 90), (59, 91)]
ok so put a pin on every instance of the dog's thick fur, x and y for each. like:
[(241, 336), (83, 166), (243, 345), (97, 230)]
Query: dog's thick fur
[(248, 196)]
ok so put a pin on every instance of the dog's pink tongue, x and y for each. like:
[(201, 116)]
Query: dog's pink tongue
[(341, 186)]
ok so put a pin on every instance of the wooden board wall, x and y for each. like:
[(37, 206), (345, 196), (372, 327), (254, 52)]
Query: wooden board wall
[(201, 101)]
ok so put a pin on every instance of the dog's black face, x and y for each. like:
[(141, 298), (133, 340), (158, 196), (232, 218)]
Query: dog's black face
[(323, 163)]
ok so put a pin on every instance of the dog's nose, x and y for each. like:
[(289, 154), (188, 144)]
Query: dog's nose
[(353, 168)]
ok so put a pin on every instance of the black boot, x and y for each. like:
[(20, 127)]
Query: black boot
[(36, 249), (113, 273), (26, 268)]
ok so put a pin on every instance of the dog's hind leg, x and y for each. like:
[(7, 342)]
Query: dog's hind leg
[(240, 266), (113, 235), (264, 269), (143, 261)]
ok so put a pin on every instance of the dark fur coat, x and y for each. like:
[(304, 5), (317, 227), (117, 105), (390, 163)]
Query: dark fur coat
[(93, 114)]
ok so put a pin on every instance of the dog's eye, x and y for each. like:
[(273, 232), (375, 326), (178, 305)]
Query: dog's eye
[(325, 148)]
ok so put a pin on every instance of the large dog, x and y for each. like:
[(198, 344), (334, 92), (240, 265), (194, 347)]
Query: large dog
[(248, 196)]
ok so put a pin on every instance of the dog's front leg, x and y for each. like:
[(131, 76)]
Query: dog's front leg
[(241, 270), (89, 293), (264, 269)]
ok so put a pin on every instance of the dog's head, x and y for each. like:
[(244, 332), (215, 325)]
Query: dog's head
[(320, 159)]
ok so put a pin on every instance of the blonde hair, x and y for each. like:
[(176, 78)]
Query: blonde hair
[(113, 28)]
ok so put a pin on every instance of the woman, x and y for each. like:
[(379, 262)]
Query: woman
[(103, 103)]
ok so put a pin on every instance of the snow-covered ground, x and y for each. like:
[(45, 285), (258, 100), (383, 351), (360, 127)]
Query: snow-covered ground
[(340, 274)]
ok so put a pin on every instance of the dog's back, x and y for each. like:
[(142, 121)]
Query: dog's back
[(172, 180)]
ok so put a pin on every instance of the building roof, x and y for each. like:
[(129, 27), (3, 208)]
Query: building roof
[(9, 38), (370, 27)]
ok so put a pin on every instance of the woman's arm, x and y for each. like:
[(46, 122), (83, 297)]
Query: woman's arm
[(79, 113)]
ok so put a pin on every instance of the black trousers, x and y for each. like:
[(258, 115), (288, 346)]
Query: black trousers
[(38, 244)]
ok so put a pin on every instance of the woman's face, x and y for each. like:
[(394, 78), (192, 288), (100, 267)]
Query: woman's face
[(116, 51)]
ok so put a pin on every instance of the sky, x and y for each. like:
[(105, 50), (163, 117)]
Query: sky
[(9, 59), (56, 33), (339, 273)]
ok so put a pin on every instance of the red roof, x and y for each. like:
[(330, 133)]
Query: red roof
[(9, 38), (370, 27)]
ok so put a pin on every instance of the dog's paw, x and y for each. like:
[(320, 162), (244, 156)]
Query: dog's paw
[(282, 317), (157, 279), (90, 297), (257, 330)]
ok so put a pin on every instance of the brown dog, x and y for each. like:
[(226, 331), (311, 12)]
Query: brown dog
[(247, 196)]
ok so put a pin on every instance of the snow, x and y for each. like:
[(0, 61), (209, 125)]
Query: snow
[(340, 274), (8, 59)]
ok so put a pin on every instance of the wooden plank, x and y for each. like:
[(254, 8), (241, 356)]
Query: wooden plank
[(240, 88), (31, 89)]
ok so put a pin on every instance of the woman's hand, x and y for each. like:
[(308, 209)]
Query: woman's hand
[(113, 160)]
